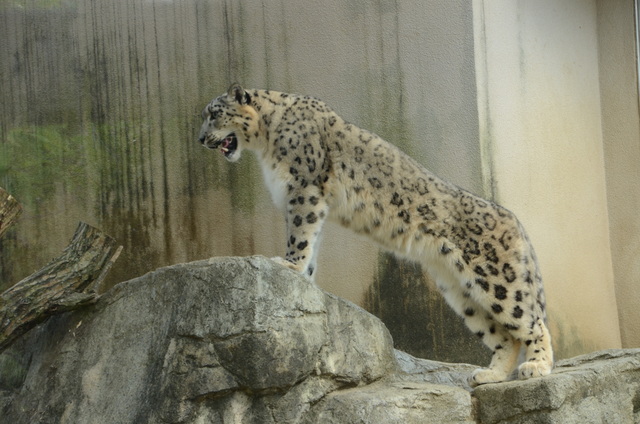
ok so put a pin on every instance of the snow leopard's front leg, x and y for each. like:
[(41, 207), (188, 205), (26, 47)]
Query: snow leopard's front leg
[(305, 214)]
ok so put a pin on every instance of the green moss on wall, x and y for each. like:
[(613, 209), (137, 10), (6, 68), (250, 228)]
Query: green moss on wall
[(35, 162)]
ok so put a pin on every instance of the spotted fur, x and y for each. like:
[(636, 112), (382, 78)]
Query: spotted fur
[(318, 166)]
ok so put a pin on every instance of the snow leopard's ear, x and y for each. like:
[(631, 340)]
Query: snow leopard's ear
[(237, 92)]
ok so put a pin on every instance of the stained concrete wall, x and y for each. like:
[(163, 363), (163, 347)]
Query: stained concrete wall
[(100, 110), (621, 136), (539, 97)]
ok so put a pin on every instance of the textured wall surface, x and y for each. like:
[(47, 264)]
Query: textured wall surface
[(621, 134), (539, 97), (100, 107)]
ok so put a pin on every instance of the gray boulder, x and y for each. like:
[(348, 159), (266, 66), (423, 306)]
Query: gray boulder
[(601, 387), (243, 340), (222, 340)]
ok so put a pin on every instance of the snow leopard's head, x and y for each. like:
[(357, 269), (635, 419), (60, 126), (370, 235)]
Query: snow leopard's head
[(230, 123)]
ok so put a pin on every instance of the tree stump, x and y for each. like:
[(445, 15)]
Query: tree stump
[(68, 282)]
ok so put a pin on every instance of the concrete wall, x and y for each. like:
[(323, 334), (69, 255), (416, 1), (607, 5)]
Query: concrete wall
[(539, 99), (621, 136), (100, 109)]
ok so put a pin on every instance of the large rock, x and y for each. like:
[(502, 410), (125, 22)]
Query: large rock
[(221, 340), (243, 340), (602, 387)]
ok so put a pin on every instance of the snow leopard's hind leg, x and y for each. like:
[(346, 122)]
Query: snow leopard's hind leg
[(505, 348)]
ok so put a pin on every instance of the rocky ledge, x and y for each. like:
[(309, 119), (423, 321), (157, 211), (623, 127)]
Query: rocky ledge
[(243, 340)]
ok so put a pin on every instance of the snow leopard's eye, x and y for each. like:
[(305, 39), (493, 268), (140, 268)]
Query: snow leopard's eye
[(214, 113)]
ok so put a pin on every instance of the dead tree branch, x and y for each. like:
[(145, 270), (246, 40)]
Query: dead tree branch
[(68, 282)]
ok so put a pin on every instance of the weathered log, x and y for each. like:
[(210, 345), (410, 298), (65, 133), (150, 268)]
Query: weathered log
[(10, 209), (68, 282)]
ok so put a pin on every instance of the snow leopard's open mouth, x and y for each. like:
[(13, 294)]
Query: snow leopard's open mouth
[(227, 146)]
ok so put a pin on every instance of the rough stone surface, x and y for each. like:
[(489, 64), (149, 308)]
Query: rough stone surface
[(243, 340), (221, 340), (601, 387)]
